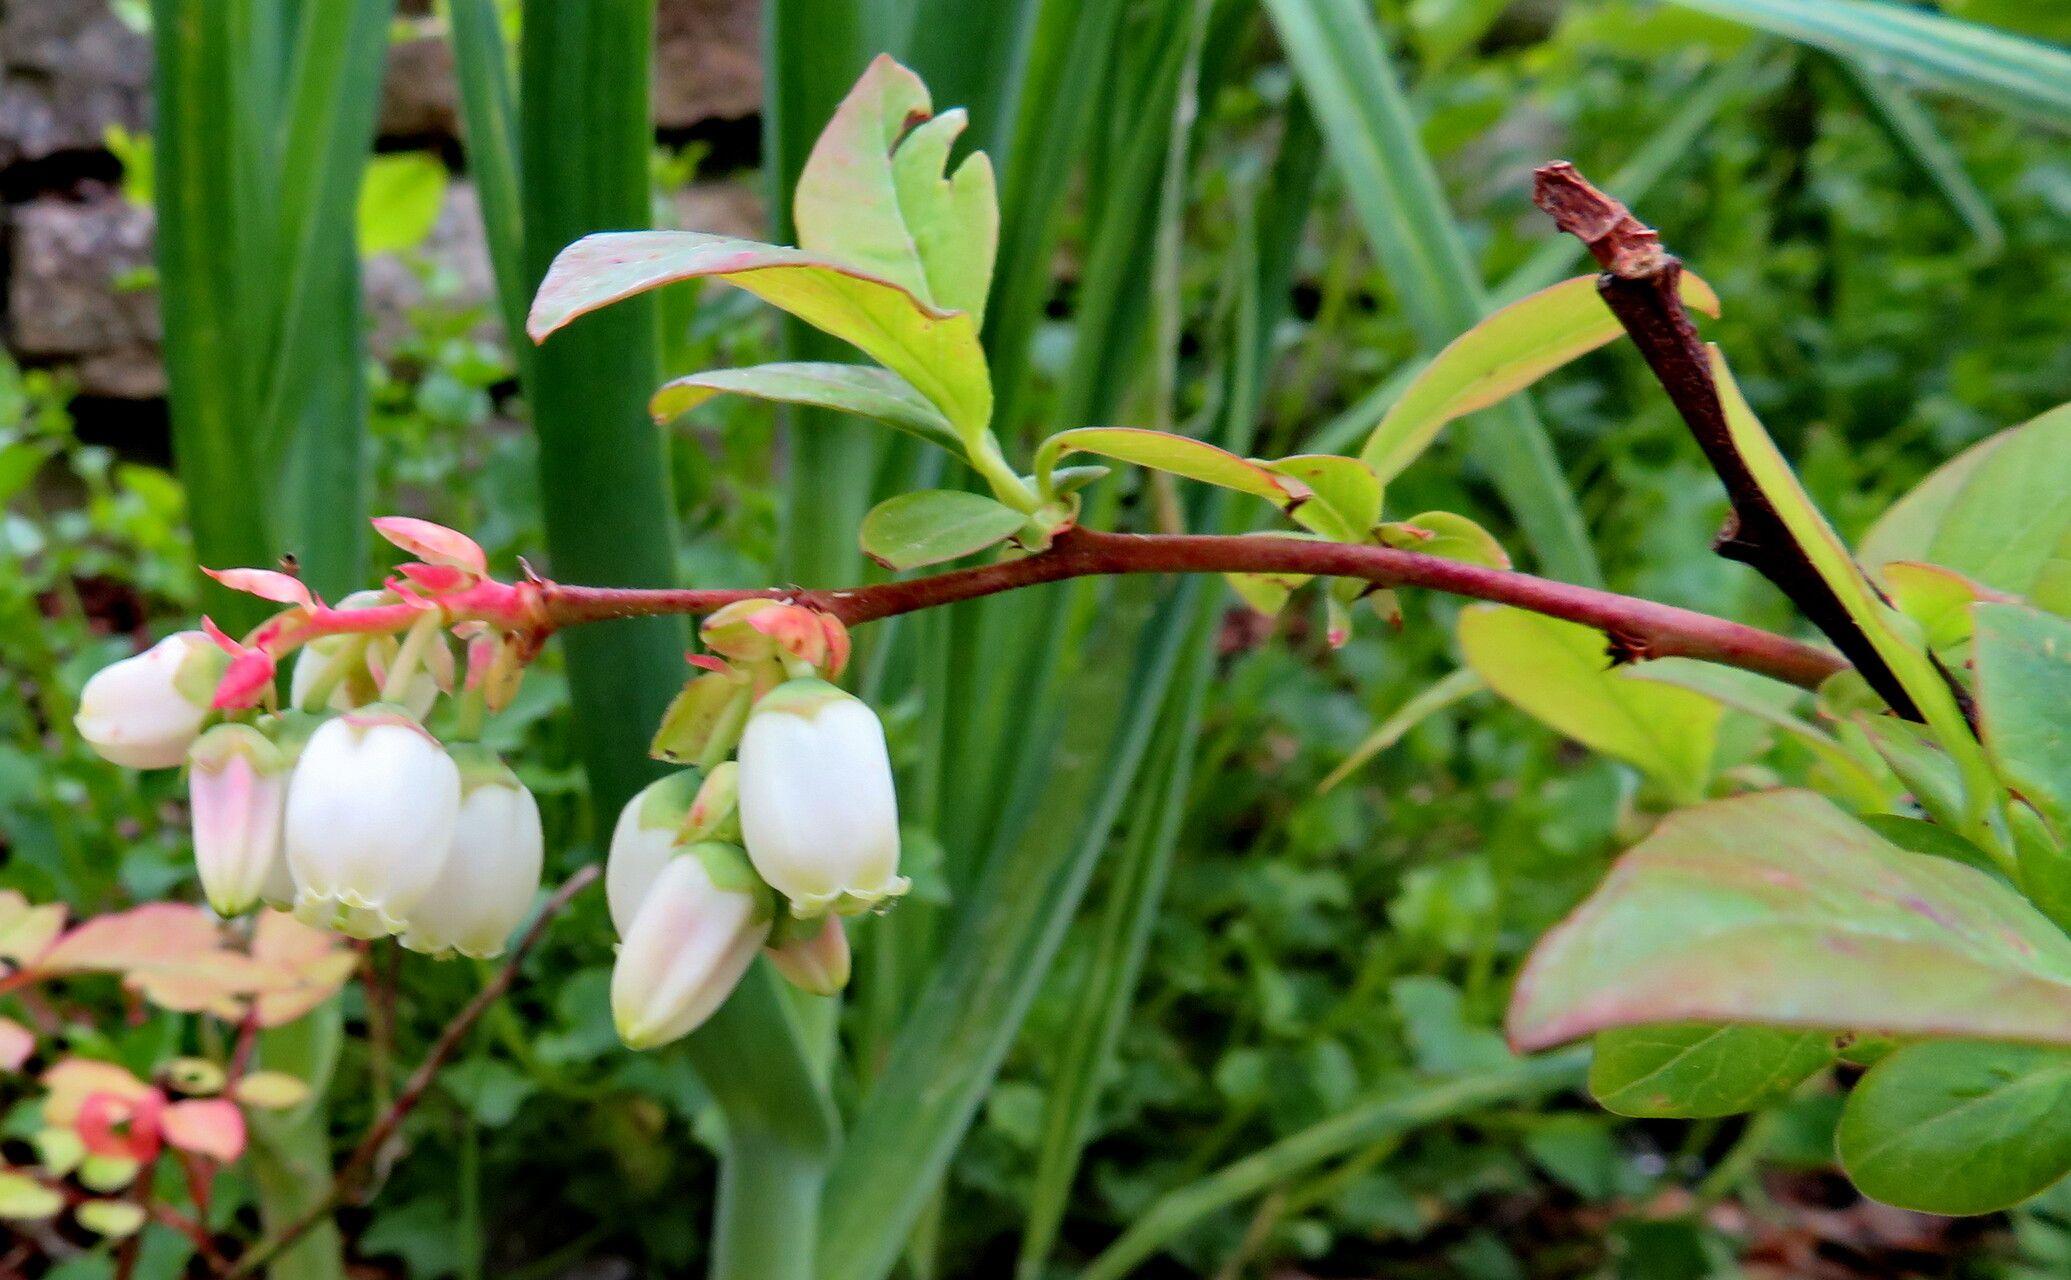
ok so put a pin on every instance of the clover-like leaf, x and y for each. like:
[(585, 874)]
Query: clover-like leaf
[(873, 192)]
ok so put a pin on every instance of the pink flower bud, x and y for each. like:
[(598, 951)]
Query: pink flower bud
[(237, 787), (371, 811), (816, 960), (704, 917), (144, 712)]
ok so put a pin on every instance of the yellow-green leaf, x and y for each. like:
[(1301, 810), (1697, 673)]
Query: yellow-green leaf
[(1447, 534), (1180, 455), (1348, 494), (860, 389)]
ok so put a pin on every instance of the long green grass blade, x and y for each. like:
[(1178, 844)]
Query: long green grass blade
[(2010, 72), (1342, 64), (1392, 1113), (1913, 132), (481, 63)]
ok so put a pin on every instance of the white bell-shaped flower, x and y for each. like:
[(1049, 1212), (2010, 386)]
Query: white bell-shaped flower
[(492, 870), (144, 712), (237, 788), (818, 812), (815, 958), (704, 917), (643, 842), (371, 811)]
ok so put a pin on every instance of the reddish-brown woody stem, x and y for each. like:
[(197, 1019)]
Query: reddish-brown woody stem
[(1633, 625)]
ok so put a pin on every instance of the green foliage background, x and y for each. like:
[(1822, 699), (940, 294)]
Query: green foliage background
[(1315, 949)]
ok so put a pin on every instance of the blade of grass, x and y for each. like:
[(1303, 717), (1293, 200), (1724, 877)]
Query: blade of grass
[(1392, 1112), (2009, 72), (1336, 49), (482, 63), (1913, 132)]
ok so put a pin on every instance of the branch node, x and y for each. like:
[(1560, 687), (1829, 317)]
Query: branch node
[(1625, 246)]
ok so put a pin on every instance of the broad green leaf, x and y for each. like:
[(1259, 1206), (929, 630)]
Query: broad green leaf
[(873, 193), (399, 201), (1829, 557), (1779, 909), (934, 525), (1559, 673), (1958, 1126), (934, 349), (1690, 1070), (2023, 659), (1447, 534), (1994, 512), (851, 388), (1504, 354), (1348, 494), (1992, 67), (1180, 455)]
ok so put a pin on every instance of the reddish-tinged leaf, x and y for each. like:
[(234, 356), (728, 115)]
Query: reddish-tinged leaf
[(433, 543), (267, 584), (121, 1128), (67, 1085), (17, 1042), (170, 953), (246, 680), (302, 967), (212, 1127), (435, 577)]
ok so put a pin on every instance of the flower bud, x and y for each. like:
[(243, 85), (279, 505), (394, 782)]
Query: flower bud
[(371, 811), (716, 813), (816, 959), (351, 664), (237, 788), (818, 811), (643, 842), (144, 712), (492, 871), (704, 917)]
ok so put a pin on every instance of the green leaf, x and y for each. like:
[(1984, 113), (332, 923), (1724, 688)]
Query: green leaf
[(1348, 494), (23, 1199), (1180, 455), (851, 388), (1691, 1070), (1503, 354), (1779, 909), (399, 201), (1852, 591), (1959, 1127), (2023, 659), (935, 350), (1558, 672), (1992, 67), (1913, 132), (1993, 512), (1425, 703), (1937, 598), (111, 1218), (934, 525), (873, 194), (1447, 534)]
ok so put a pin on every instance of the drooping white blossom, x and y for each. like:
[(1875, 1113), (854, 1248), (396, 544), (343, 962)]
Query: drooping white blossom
[(697, 930), (144, 712), (491, 873)]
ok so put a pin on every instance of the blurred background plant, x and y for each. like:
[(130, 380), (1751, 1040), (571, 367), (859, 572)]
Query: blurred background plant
[(1255, 950)]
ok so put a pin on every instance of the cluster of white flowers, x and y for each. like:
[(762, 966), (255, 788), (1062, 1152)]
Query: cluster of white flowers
[(355, 818), (765, 852), (346, 810)]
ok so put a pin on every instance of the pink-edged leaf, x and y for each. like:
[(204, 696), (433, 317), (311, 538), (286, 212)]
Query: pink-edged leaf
[(435, 577), (302, 967), (170, 953), (267, 584), (17, 1042), (1779, 909), (935, 350), (122, 1128), (69, 1083), (434, 543), (212, 1127)]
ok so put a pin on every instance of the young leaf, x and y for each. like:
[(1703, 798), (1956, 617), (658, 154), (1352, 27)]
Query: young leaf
[(1959, 1127), (2023, 659), (1559, 673), (1690, 1070), (1994, 513), (872, 193), (1180, 455), (1447, 534), (934, 349), (1498, 357), (1937, 598), (1348, 494), (851, 388), (1780, 909), (934, 525)]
